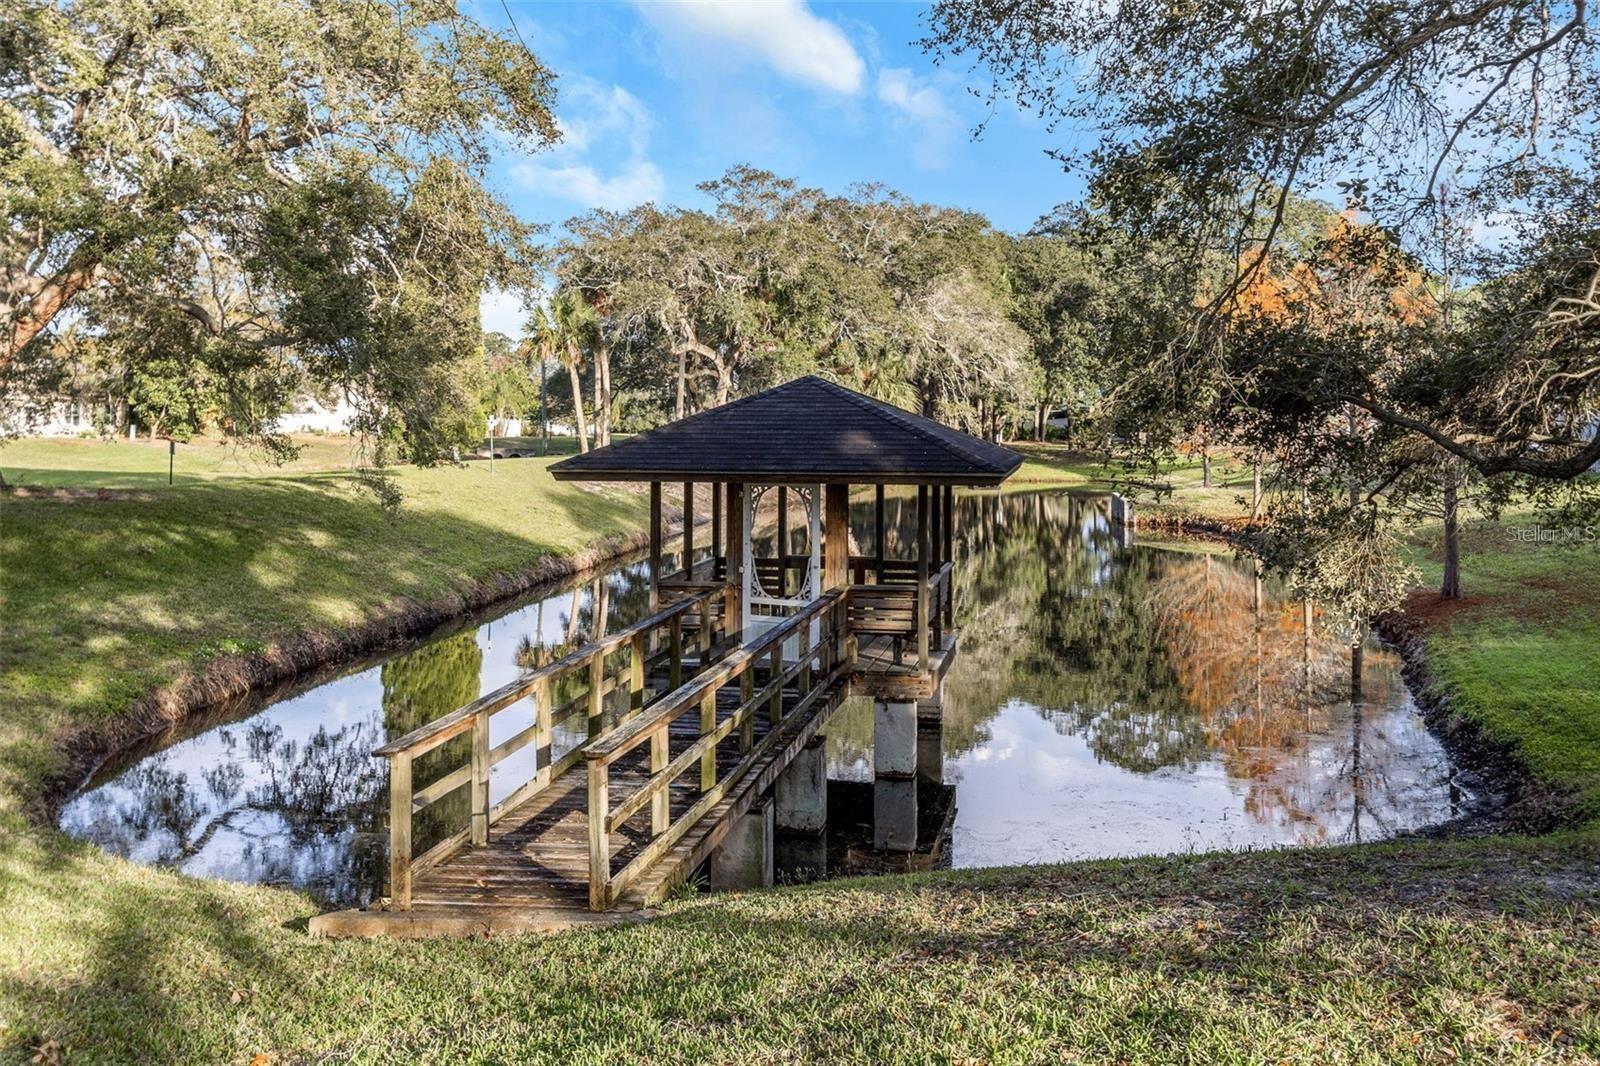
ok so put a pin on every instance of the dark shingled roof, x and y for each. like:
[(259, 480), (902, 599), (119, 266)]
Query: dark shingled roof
[(808, 430)]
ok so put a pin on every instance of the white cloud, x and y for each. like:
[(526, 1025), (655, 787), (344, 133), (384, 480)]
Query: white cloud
[(782, 33), (603, 159), (502, 312), (923, 110)]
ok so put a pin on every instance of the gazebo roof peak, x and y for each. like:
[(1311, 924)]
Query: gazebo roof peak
[(806, 430)]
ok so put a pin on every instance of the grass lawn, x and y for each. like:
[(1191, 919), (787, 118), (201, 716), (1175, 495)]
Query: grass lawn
[(1426, 951), (1180, 489), (1521, 651), (108, 599)]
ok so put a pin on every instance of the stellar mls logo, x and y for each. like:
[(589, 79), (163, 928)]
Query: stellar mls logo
[(1553, 534)]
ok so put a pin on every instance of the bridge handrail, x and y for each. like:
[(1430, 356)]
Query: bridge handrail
[(405, 802), (653, 726), (417, 740)]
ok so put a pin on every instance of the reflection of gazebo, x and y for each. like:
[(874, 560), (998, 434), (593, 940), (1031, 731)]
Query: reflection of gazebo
[(802, 446)]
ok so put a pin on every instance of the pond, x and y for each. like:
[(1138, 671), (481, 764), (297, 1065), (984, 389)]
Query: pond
[(1106, 701)]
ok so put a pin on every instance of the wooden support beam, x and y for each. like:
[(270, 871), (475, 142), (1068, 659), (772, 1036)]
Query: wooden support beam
[(733, 609), (599, 839), (949, 524), (400, 829), (480, 779), (655, 545), (716, 528), (836, 537), (783, 540), (877, 532), (688, 529), (922, 577)]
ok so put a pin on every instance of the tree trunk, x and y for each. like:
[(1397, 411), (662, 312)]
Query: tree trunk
[(608, 396), (683, 375), (1450, 589), (1205, 466), (45, 304), (1255, 489), (577, 396), (724, 380)]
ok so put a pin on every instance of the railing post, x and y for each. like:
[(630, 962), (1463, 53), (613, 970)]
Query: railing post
[(480, 779), (708, 722), (661, 802), (803, 678), (775, 707), (599, 839), (400, 829), (705, 632), (543, 730), (597, 684), (675, 654), (747, 731), (636, 673)]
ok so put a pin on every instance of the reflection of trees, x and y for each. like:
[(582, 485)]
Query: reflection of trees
[(418, 687), (1054, 614), (293, 825), (1160, 658)]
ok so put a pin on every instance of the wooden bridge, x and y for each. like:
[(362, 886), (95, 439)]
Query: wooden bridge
[(680, 728), (644, 748)]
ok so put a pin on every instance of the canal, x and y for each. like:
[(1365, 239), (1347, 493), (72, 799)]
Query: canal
[(1107, 700)]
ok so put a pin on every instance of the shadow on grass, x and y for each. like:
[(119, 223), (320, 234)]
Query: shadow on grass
[(108, 600)]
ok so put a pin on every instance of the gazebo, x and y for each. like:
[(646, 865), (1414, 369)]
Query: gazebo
[(803, 445)]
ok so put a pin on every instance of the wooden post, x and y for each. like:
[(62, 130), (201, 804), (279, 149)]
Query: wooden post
[(877, 534), (400, 829), (688, 531), (716, 531), (655, 545), (775, 707), (597, 684), (660, 803), (543, 731), (733, 609), (949, 554), (708, 722), (949, 524), (675, 651), (599, 839), (480, 779), (922, 578), (747, 731), (803, 678), (636, 673), (783, 540), (836, 537)]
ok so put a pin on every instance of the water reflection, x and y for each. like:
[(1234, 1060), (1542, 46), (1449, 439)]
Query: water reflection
[(1105, 701), (290, 794), (1109, 701)]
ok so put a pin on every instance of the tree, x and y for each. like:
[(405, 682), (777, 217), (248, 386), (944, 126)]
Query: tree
[(1212, 120), (298, 183)]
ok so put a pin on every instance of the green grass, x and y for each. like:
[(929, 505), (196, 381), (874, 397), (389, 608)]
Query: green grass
[(1425, 951), (1521, 652), (1179, 489), (106, 600)]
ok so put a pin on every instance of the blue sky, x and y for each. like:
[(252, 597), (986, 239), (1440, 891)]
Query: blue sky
[(660, 94)]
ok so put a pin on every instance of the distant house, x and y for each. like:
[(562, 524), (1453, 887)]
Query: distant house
[(29, 417), (310, 415)]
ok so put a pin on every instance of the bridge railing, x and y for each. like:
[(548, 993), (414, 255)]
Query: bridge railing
[(633, 652), (812, 673)]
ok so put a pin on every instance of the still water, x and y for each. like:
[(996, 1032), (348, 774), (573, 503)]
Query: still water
[(1106, 701)]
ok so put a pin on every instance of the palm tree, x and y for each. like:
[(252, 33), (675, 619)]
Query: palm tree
[(565, 331)]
